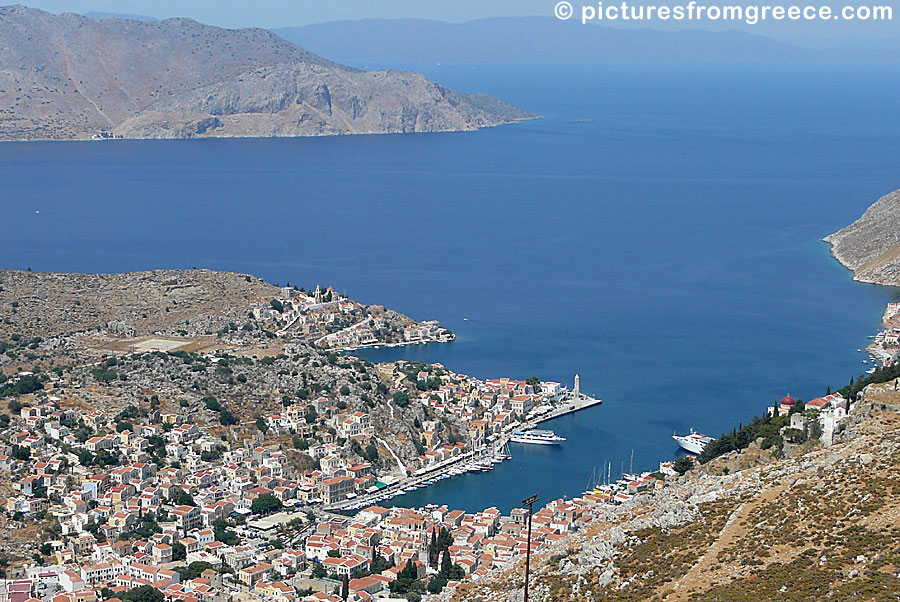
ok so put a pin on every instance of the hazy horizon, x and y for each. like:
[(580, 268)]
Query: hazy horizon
[(272, 14)]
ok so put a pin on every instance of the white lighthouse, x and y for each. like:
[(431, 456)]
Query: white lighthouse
[(577, 390)]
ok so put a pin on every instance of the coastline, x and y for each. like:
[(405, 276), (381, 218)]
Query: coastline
[(398, 344), (424, 477), (275, 136), (557, 412)]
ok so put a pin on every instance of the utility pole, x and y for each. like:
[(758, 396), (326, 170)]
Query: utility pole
[(529, 501)]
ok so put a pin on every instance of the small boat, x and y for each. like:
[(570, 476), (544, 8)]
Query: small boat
[(694, 443)]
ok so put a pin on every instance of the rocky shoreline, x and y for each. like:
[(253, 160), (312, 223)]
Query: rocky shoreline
[(870, 246)]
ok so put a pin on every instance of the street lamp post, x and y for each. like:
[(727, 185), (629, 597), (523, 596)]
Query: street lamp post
[(529, 501)]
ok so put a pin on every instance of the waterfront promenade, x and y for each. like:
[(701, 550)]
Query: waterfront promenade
[(567, 405)]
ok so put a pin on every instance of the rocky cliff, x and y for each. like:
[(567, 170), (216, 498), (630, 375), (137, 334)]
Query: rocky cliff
[(70, 77), (870, 246)]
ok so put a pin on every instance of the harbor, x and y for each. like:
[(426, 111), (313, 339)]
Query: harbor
[(495, 451)]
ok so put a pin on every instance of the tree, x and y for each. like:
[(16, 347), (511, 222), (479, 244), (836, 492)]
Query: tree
[(27, 384), (405, 578), (179, 552), (345, 587), (221, 533), (437, 583), (226, 418), (193, 570), (145, 593), (432, 548), (401, 398), (371, 452), (106, 458), (183, 498), (262, 425), (266, 504), (21, 453), (318, 571), (446, 564), (683, 464)]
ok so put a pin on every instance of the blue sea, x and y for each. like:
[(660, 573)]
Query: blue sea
[(657, 232)]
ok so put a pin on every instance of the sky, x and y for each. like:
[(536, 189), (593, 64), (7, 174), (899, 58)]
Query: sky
[(283, 13)]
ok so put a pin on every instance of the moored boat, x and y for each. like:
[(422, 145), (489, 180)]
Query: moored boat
[(694, 443), (537, 437)]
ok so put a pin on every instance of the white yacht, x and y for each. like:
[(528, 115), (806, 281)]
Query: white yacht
[(537, 437), (694, 443)]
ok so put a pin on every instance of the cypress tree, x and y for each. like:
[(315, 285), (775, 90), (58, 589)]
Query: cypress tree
[(432, 548), (446, 566)]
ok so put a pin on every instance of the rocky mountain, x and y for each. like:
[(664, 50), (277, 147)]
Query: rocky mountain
[(70, 77), (870, 246)]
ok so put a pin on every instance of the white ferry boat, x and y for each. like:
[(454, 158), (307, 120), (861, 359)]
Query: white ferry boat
[(694, 443), (537, 437)]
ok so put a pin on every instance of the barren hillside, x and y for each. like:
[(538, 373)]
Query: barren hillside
[(870, 246), (72, 77), (46, 304)]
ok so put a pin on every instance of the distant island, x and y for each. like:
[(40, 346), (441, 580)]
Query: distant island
[(531, 40), (70, 77), (543, 40)]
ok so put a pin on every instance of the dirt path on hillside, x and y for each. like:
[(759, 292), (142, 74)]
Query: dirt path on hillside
[(702, 574)]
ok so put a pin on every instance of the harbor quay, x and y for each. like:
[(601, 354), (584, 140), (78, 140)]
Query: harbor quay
[(475, 460)]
